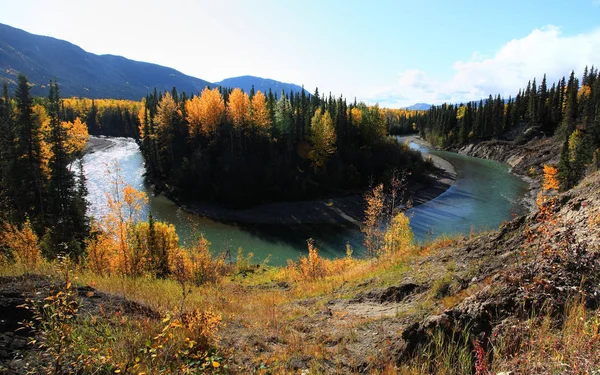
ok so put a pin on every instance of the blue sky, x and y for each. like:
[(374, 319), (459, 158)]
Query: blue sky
[(393, 52)]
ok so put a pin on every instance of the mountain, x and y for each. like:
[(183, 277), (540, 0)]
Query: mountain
[(80, 73), (263, 84), (419, 107)]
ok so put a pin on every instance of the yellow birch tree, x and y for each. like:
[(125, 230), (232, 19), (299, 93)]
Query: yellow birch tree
[(238, 108), (260, 117), (210, 112), (323, 138)]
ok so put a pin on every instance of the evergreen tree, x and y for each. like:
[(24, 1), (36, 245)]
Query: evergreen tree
[(29, 179), (570, 118), (564, 167), (579, 155), (9, 192), (65, 214)]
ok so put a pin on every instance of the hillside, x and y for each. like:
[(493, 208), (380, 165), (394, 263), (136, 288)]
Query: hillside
[(81, 73), (263, 84), (520, 299), (84, 74)]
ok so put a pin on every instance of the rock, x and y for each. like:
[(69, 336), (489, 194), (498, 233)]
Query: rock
[(392, 294)]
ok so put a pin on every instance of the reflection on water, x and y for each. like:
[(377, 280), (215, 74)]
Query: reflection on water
[(484, 196)]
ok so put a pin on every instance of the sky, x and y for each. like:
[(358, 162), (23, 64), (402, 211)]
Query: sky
[(395, 53)]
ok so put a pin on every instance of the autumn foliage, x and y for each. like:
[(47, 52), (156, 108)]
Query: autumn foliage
[(238, 108), (22, 244), (323, 138), (76, 137), (115, 117), (207, 112), (112, 249), (196, 264), (123, 244), (374, 218), (550, 186), (314, 267), (260, 116), (398, 236), (550, 178), (238, 148)]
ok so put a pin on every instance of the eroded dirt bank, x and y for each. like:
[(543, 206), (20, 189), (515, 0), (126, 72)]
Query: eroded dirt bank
[(525, 160)]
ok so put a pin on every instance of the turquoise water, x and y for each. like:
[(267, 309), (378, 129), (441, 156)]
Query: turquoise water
[(484, 196)]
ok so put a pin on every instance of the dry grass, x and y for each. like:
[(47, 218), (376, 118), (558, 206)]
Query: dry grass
[(270, 318), (541, 346)]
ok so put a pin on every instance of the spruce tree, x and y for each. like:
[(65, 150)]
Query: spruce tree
[(570, 117), (8, 159), (29, 180), (66, 213), (564, 167)]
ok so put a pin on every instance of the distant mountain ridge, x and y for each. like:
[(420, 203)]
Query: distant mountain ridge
[(81, 73), (263, 84), (419, 107), (84, 74), (425, 106)]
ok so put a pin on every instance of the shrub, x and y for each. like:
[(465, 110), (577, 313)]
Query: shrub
[(197, 264), (153, 243), (398, 236), (22, 245)]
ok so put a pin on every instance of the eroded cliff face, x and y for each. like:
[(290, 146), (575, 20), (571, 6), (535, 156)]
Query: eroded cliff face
[(526, 160), (521, 158), (533, 262)]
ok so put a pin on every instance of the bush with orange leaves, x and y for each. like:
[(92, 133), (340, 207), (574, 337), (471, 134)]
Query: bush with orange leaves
[(313, 266), (121, 244), (185, 345), (197, 265), (149, 249), (155, 242), (398, 237), (375, 214), (21, 244), (98, 251), (550, 187), (551, 178)]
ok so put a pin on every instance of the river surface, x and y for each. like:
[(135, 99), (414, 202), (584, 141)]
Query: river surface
[(484, 196)]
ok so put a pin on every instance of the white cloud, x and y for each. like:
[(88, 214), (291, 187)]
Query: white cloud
[(544, 50)]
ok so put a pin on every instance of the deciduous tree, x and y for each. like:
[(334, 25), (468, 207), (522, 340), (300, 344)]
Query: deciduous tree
[(210, 112), (238, 109), (323, 138), (260, 117)]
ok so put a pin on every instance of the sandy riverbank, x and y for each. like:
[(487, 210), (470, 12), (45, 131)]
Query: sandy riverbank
[(441, 180), (98, 143)]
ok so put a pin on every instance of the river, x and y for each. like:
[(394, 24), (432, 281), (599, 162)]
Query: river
[(484, 196)]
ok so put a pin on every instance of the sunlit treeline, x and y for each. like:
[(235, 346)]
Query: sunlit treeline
[(243, 148), (105, 116), (569, 110)]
